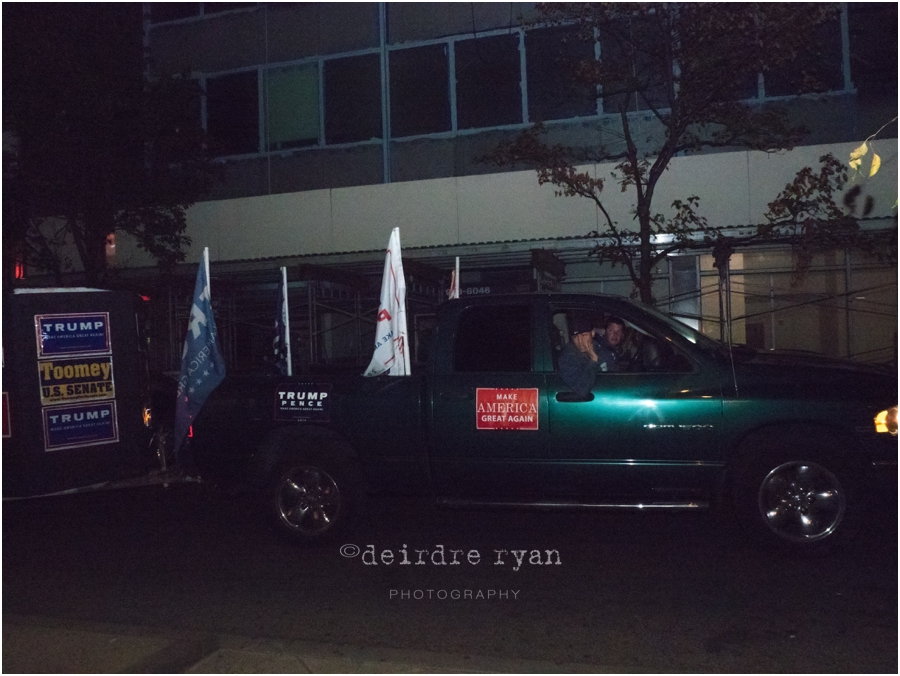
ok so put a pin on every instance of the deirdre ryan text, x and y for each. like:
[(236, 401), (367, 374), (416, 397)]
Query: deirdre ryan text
[(439, 555)]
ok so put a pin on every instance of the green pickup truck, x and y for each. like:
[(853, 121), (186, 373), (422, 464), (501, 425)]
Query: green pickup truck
[(793, 442)]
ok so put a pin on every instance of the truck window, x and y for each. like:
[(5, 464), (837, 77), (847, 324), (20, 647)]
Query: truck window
[(493, 338), (639, 351)]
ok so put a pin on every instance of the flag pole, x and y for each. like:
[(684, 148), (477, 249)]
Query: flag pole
[(206, 265), (287, 320)]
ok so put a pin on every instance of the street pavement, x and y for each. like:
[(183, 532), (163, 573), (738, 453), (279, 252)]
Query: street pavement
[(185, 579), (42, 645)]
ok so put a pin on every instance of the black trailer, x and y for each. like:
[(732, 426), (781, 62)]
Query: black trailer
[(76, 399)]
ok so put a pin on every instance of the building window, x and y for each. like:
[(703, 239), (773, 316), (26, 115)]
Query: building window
[(873, 48), (171, 11), (551, 53), (818, 68), (420, 96), (352, 99), (467, 83), (232, 113), (292, 107), (488, 82), (216, 7), (629, 46)]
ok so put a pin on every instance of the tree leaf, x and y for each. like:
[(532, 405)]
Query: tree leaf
[(876, 164), (857, 155)]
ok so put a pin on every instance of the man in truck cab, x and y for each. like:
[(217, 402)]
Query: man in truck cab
[(587, 354), (608, 343)]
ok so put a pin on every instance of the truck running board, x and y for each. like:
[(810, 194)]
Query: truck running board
[(460, 503)]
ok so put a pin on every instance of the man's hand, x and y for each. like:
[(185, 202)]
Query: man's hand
[(585, 343)]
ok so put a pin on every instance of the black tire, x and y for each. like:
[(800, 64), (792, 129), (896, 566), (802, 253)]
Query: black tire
[(794, 491), (314, 495)]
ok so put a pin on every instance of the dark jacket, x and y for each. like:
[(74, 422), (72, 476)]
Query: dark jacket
[(606, 354), (578, 370)]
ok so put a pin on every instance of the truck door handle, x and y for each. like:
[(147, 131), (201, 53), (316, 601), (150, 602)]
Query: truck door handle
[(462, 396), (571, 397)]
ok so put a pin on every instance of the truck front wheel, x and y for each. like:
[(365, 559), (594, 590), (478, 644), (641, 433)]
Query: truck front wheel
[(312, 501), (800, 500)]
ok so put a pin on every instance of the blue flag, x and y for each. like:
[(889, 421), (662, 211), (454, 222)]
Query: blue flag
[(202, 366)]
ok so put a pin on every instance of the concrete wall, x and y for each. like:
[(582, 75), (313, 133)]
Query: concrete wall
[(734, 189)]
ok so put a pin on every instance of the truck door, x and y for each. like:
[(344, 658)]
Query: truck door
[(651, 430), (489, 406)]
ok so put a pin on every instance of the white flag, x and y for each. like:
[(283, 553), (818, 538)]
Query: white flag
[(391, 339), (454, 282)]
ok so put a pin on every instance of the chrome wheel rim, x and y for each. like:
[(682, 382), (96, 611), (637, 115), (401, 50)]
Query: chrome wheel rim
[(802, 501), (309, 500)]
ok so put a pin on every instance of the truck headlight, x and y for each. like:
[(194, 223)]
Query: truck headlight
[(886, 421)]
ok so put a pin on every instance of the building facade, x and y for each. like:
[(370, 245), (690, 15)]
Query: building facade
[(335, 122)]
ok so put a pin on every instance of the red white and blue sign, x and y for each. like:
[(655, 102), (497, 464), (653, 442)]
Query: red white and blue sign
[(506, 409), (77, 426), (71, 334)]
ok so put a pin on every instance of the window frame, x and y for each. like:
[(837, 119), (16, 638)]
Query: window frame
[(201, 12), (449, 42)]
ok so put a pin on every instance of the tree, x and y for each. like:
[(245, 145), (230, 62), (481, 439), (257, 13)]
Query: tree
[(692, 67), (98, 149)]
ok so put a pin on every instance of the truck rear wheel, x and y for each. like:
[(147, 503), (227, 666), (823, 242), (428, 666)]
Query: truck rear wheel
[(314, 499)]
